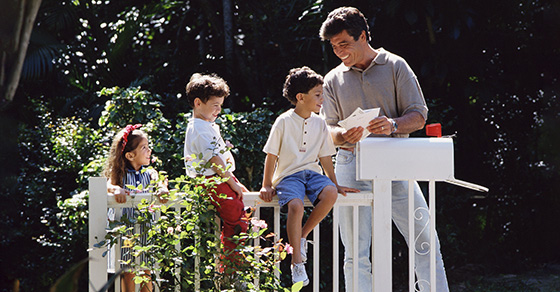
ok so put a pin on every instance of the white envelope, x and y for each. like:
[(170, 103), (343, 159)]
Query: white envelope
[(360, 118)]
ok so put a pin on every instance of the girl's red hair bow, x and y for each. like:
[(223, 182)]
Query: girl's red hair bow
[(127, 131)]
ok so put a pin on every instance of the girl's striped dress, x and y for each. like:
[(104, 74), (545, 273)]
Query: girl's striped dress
[(134, 178)]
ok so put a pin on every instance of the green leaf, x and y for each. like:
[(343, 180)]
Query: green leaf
[(297, 286)]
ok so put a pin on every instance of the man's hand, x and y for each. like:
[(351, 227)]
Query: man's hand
[(380, 126), (267, 192), (343, 190)]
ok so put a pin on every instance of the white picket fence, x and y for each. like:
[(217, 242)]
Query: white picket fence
[(100, 201)]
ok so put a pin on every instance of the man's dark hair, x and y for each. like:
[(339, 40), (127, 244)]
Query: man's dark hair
[(300, 80), (344, 18), (205, 86)]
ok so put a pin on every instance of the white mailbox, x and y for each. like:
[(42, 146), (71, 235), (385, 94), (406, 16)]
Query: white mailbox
[(405, 159)]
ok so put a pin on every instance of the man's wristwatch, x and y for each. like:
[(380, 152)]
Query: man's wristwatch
[(395, 126)]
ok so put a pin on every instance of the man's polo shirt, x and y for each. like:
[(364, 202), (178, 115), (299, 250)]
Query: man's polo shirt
[(387, 83)]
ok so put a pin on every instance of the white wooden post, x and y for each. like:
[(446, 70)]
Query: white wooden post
[(97, 223), (381, 232), (335, 244)]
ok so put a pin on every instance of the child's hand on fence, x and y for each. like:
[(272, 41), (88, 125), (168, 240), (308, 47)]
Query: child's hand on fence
[(343, 190), (267, 192), (120, 194), (162, 190), (165, 192), (239, 188)]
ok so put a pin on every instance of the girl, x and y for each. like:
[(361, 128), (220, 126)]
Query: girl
[(128, 156)]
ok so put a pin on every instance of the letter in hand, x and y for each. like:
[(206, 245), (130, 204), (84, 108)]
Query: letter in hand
[(343, 190), (267, 192)]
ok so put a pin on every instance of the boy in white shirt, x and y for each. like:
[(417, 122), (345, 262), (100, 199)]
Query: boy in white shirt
[(298, 141), (206, 94)]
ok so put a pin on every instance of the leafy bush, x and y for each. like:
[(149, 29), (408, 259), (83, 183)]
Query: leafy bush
[(248, 132)]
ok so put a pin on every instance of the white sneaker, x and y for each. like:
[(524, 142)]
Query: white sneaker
[(299, 274), (303, 250)]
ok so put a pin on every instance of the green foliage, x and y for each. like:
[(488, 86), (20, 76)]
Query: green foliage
[(248, 133), (184, 230)]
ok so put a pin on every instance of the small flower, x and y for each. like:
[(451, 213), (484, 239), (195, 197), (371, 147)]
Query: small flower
[(127, 243), (178, 228), (190, 158), (228, 144), (258, 224), (289, 248), (170, 230)]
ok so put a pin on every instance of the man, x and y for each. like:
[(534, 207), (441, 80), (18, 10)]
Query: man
[(371, 78)]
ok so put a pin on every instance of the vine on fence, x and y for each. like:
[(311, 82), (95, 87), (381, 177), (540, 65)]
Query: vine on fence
[(183, 231)]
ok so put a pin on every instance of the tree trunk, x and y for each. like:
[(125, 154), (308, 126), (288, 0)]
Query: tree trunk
[(228, 35), (16, 23)]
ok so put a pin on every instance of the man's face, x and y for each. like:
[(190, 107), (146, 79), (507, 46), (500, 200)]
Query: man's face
[(348, 50)]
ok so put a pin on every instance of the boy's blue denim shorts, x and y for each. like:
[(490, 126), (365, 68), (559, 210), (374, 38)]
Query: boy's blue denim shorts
[(300, 184)]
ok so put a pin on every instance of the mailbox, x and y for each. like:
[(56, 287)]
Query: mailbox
[(405, 159), (420, 159)]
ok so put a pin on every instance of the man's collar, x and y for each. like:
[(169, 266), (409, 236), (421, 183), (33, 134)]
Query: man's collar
[(380, 59)]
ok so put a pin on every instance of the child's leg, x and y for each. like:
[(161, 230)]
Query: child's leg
[(293, 226), (327, 198), (147, 287), (232, 212), (127, 282)]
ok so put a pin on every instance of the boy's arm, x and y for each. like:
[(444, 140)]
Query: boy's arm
[(219, 167), (328, 168), (267, 192)]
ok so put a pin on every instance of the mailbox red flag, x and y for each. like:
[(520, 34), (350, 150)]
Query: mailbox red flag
[(433, 130)]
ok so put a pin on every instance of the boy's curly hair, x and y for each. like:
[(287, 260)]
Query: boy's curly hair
[(205, 86), (300, 80)]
